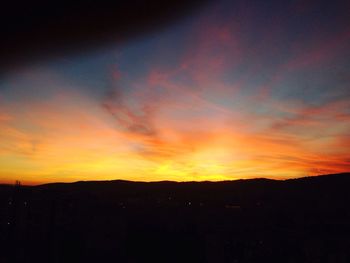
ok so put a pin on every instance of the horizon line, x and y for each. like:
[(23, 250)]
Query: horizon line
[(173, 181)]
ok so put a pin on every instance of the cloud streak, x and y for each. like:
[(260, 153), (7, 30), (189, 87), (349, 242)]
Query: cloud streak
[(231, 94)]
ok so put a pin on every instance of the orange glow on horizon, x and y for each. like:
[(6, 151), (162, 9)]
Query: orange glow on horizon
[(48, 142), (221, 96)]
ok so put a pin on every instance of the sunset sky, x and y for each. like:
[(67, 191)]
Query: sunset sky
[(238, 89)]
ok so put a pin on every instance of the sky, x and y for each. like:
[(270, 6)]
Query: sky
[(236, 90)]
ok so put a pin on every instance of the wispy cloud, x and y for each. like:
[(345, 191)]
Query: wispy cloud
[(239, 94)]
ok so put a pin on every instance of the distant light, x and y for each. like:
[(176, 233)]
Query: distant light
[(189, 203), (8, 223)]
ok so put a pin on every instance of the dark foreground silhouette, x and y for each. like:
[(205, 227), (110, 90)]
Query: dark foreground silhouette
[(259, 220)]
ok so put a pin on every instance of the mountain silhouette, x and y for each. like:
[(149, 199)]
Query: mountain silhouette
[(256, 220)]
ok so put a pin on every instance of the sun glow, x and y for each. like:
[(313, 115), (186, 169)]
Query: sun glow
[(91, 147), (219, 97)]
